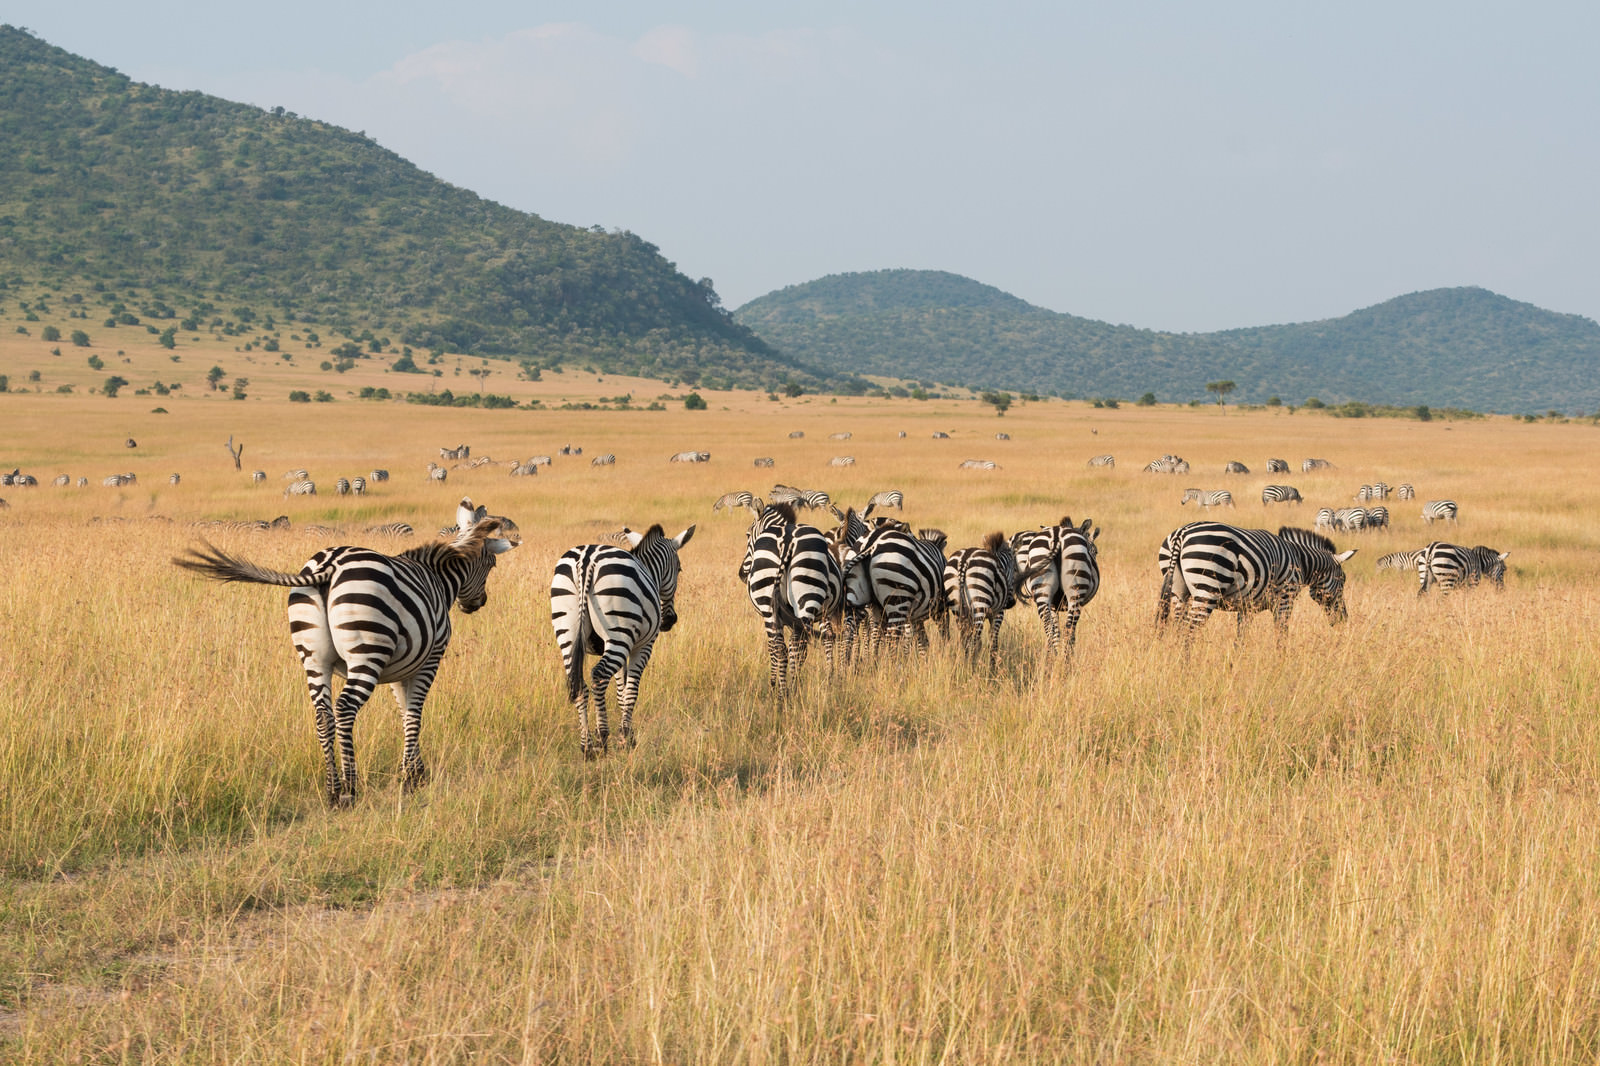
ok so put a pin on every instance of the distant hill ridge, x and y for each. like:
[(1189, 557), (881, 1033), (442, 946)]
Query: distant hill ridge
[(1459, 347), (188, 198)]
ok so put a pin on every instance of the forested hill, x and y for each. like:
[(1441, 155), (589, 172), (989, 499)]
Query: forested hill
[(180, 198), (1464, 347)]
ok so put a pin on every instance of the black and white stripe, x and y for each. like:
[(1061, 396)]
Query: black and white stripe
[(1168, 464), (1280, 494), (529, 469), (607, 459), (120, 480), (358, 485), (613, 603), (1406, 492), (1442, 510), (1207, 566), (900, 579), (842, 460), (890, 498), (460, 451), (1452, 566), (437, 473), (373, 619), (1058, 567), (1104, 460), (1277, 466), (1377, 518), (378, 475), (301, 488), (765, 461), (796, 584), (747, 500), (979, 587), (341, 486), (1406, 561), (1378, 491), (1218, 498)]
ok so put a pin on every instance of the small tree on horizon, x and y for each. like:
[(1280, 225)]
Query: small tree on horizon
[(1221, 388)]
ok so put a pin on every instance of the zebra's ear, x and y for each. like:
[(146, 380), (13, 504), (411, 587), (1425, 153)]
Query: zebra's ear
[(683, 538), (465, 515), (630, 538), (1503, 555), (1344, 556)]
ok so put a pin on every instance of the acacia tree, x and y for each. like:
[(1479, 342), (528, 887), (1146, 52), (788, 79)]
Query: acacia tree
[(1221, 388)]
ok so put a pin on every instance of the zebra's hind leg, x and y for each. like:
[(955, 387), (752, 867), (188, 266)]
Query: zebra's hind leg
[(358, 688), (995, 620), (411, 694), (777, 659), (630, 691)]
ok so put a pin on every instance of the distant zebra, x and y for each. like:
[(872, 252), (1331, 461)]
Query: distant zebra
[(11, 478), (1277, 466), (1107, 461), (341, 486), (174, 479), (604, 460), (119, 480), (1377, 518), (765, 461), (785, 494), (1315, 464), (838, 436), (1349, 519), (460, 451), (690, 457), (1217, 498), (392, 529), (902, 575), (62, 481), (1207, 565), (941, 436), (1444, 510), (83, 482), (437, 473), (1451, 566), (1379, 491), (378, 475), (979, 464), (731, 500), (816, 500), (1405, 492), (796, 584), (613, 602), (797, 434), (541, 460), (358, 485), (130, 443), (524, 469), (295, 475), (1280, 494), (1058, 566), (1324, 518), (901, 435), (1406, 561), (301, 488), (980, 586), (1002, 436), (1236, 468), (889, 498), (257, 477), (25, 481), (842, 460), (1168, 464)]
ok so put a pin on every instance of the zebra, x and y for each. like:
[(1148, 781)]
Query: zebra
[(130, 443), (613, 602), (796, 583), (1379, 491), (301, 488), (1405, 561), (541, 460), (797, 434), (901, 435), (295, 475), (889, 498), (1167, 464), (731, 500), (25, 480), (1280, 494), (373, 619), (838, 436), (1107, 461), (358, 485), (842, 460), (816, 500), (941, 435), (1349, 519), (437, 473), (83, 482), (1059, 568), (1207, 565), (378, 475), (1377, 518), (785, 494), (1451, 566), (980, 585), (1315, 464), (1406, 492), (1324, 518), (764, 461), (119, 480), (258, 477), (341, 486), (392, 529), (1218, 498), (1277, 466), (62, 481), (460, 451), (978, 464), (690, 457), (1002, 436), (1236, 468), (174, 479), (897, 576), (524, 470), (604, 460), (4, 506), (1444, 510)]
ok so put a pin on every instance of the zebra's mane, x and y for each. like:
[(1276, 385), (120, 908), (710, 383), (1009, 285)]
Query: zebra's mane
[(785, 511), (1306, 538), (994, 541), (651, 535), (465, 546)]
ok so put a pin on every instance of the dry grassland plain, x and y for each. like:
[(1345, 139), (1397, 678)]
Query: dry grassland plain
[(1370, 843)]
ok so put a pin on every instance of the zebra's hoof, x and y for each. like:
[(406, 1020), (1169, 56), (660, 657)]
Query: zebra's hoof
[(344, 801), (415, 778), (629, 739)]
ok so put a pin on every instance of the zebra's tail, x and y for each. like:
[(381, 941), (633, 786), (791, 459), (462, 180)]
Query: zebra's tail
[(218, 565)]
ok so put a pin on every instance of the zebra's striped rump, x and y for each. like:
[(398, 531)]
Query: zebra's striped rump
[(1207, 566), (1058, 566), (897, 576), (979, 587), (795, 583), (1452, 566), (372, 619)]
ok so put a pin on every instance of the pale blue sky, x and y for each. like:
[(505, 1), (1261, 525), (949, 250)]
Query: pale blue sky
[(1172, 165)]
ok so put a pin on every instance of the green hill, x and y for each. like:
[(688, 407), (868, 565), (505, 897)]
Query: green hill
[(1463, 347), (183, 203)]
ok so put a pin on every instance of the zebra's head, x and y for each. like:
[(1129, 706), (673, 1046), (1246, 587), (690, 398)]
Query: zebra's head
[(475, 549), (1321, 569), (1493, 564), (658, 553)]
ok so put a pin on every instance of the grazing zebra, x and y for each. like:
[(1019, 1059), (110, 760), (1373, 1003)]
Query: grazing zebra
[(1379, 491), (1218, 498), (1324, 518), (979, 586), (1406, 561), (25, 480), (797, 434), (838, 436), (1002, 436), (1348, 519), (1444, 510), (1451, 566), (119, 480), (358, 485), (460, 451), (889, 498), (816, 500), (541, 460), (1168, 464), (1277, 466), (566, 449), (9, 479), (978, 464), (765, 461), (1315, 464), (437, 473), (1206, 566), (83, 482), (607, 459), (1377, 518), (690, 457), (1280, 494), (374, 619), (295, 475), (842, 460), (524, 470), (613, 603), (941, 435), (62, 481), (301, 488), (130, 443), (1107, 461), (897, 576), (1406, 492), (738, 499), (796, 584), (392, 529), (174, 479), (341, 486), (1058, 566), (785, 494), (1236, 468), (257, 477), (378, 475)]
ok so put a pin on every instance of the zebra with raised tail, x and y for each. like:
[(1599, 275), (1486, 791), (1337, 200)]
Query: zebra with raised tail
[(796, 584), (613, 602), (1059, 568), (1452, 566), (373, 619), (980, 586)]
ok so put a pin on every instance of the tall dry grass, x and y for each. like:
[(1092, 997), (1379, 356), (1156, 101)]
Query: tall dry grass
[(1371, 843)]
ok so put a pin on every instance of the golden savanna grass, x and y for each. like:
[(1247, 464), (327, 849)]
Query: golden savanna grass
[(1375, 843)]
